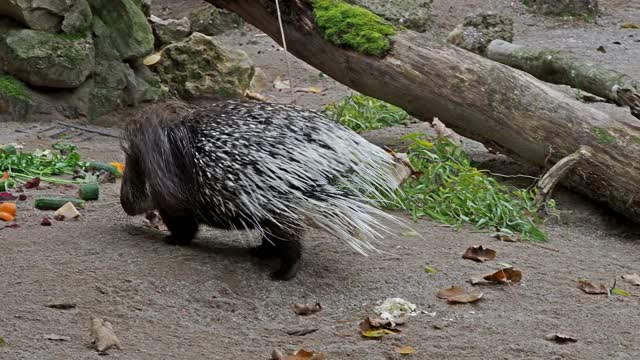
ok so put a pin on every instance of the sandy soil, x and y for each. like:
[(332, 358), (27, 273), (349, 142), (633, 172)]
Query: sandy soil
[(213, 301)]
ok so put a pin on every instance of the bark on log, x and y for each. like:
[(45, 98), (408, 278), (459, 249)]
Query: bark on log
[(560, 68), (502, 107)]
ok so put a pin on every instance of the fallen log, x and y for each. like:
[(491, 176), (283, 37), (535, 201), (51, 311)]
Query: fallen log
[(561, 68), (506, 109)]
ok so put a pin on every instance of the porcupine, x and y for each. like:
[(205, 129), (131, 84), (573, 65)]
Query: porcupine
[(262, 166)]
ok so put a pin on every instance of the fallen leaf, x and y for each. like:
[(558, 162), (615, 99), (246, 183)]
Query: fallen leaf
[(409, 233), (55, 337), (152, 59), (632, 279), (254, 95), (479, 253), (314, 90), (630, 26), (560, 338), (589, 288), (367, 329), (378, 333), (307, 309), (279, 84), (303, 354), (450, 292), (502, 276), (430, 270), (464, 298), (442, 131), (5, 176), (2, 342), (405, 350), (601, 49), (620, 292)]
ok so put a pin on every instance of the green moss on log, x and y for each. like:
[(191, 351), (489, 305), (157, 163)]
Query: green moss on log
[(604, 137), (353, 26), (12, 87)]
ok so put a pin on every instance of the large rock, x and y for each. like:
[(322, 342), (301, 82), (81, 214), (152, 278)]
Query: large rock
[(171, 30), (210, 20), (121, 29), (412, 14), (44, 59), (116, 85), (586, 8), (479, 30), (70, 16), (199, 67), (145, 6)]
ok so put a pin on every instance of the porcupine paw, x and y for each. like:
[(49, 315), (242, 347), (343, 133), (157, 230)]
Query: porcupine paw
[(264, 251), (288, 269)]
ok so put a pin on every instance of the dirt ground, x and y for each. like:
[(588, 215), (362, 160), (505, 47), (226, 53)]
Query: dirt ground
[(213, 301)]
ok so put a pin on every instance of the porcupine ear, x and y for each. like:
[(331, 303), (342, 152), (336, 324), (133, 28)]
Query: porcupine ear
[(163, 145)]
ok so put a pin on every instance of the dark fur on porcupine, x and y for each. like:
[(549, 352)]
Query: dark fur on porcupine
[(271, 167)]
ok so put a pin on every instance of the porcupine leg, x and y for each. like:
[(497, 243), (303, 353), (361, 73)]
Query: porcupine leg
[(183, 228), (284, 244)]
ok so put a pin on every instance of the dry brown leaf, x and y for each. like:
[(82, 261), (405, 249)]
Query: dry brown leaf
[(307, 309), (479, 253), (560, 338), (254, 95), (630, 26), (589, 288), (507, 238), (505, 275), (442, 130), (632, 279), (301, 354), (457, 295), (405, 350), (464, 298), (450, 291)]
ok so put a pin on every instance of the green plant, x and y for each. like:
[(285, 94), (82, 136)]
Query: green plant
[(604, 136), (361, 113), (353, 26), (452, 191), (10, 86), (42, 164)]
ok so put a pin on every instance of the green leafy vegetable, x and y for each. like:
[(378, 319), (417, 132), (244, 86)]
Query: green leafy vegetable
[(454, 192)]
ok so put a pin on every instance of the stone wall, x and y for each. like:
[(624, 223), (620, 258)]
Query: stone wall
[(83, 59)]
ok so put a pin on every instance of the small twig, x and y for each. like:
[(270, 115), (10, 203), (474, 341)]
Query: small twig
[(103, 133), (511, 176)]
